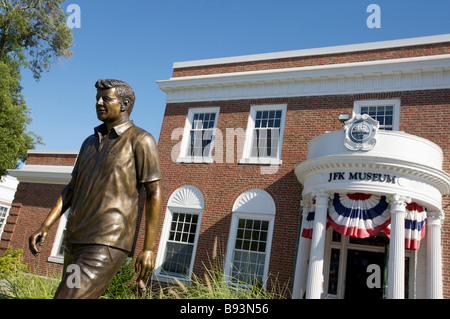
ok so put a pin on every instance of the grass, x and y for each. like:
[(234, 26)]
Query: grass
[(209, 285)]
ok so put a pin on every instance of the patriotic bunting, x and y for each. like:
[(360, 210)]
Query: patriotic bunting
[(364, 215), (308, 227), (415, 219), (359, 215)]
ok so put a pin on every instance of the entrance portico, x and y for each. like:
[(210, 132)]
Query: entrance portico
[(394, 186)]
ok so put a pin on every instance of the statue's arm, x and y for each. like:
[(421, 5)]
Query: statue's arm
[(62, 204), (145, 262)]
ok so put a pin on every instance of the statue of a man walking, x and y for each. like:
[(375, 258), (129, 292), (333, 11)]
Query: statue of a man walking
[(112, 166)]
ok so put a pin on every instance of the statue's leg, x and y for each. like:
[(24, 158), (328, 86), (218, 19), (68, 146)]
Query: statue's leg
[(88, 269)]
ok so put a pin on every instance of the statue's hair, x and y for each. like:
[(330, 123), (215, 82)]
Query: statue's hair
[(123, 90)]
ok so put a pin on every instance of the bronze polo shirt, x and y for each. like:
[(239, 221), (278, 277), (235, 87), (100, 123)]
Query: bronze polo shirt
[(109, 171)]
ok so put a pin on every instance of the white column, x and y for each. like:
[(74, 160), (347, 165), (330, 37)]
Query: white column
[(315, 274), (434, 255), (301, 266), (396, 270)]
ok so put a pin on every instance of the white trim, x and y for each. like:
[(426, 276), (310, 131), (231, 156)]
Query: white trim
[(184, 147), (392, 102), (43, 174), (52, 152), (317, 51), (186, 199), (2, 225), (418, 73), (246, 154), (8, 187), (54, 257)]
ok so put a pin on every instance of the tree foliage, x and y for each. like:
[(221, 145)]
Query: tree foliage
[(33, 34)]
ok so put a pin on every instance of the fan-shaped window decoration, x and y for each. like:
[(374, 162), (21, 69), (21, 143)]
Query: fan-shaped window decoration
[(415, 219), (187, 197), (359, 215), (256, 201)]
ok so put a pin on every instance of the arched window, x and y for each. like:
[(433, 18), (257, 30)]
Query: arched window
[(250, 239), (176, 253)]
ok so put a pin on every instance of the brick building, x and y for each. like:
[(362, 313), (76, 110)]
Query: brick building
[(263, 171)]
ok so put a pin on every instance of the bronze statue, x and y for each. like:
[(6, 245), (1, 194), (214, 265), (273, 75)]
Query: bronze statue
[(111, 167)]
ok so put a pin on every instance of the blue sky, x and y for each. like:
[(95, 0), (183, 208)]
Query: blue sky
[(138, 41)]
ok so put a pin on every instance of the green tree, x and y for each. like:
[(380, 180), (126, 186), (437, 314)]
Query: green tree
[(33, 34)]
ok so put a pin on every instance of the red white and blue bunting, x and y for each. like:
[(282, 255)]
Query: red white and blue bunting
[(415, 219), (359, 215), (364, 215), (308, 227)]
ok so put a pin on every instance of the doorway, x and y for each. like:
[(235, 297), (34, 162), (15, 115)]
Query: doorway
[(362, 281), (346, 267)]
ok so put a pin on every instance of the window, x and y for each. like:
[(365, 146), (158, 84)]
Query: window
[(57, 253), (386, 112), (176, 253), (4, 212), (248, 252), (198, 136), (264, 135), (180, 244)]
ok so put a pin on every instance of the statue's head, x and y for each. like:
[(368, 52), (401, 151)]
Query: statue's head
[(122, 90)]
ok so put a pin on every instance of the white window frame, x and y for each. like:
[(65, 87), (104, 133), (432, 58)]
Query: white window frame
[(391, 102), (185, 142), (254, 204), (2, 226), (188, 200), (246, 156), (54, 255)]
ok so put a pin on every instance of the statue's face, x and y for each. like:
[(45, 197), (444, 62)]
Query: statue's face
[(108, 105)]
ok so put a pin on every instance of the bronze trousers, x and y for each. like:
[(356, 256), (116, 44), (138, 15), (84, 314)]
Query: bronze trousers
[(88, 270)]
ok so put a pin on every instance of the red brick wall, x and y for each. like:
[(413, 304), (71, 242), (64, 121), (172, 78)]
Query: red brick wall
[(307, 117), (360, 56), (31, 206), (51, 159)]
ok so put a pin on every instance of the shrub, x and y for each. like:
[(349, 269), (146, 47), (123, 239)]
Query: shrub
[(11, 262)]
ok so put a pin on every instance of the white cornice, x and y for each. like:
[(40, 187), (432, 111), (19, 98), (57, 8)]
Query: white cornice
[(318, 51), (52, 152), (419, 73), (44, 174), (438, 178)]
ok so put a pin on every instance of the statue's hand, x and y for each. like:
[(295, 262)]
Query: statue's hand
[(145, 264), (37, 237)]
